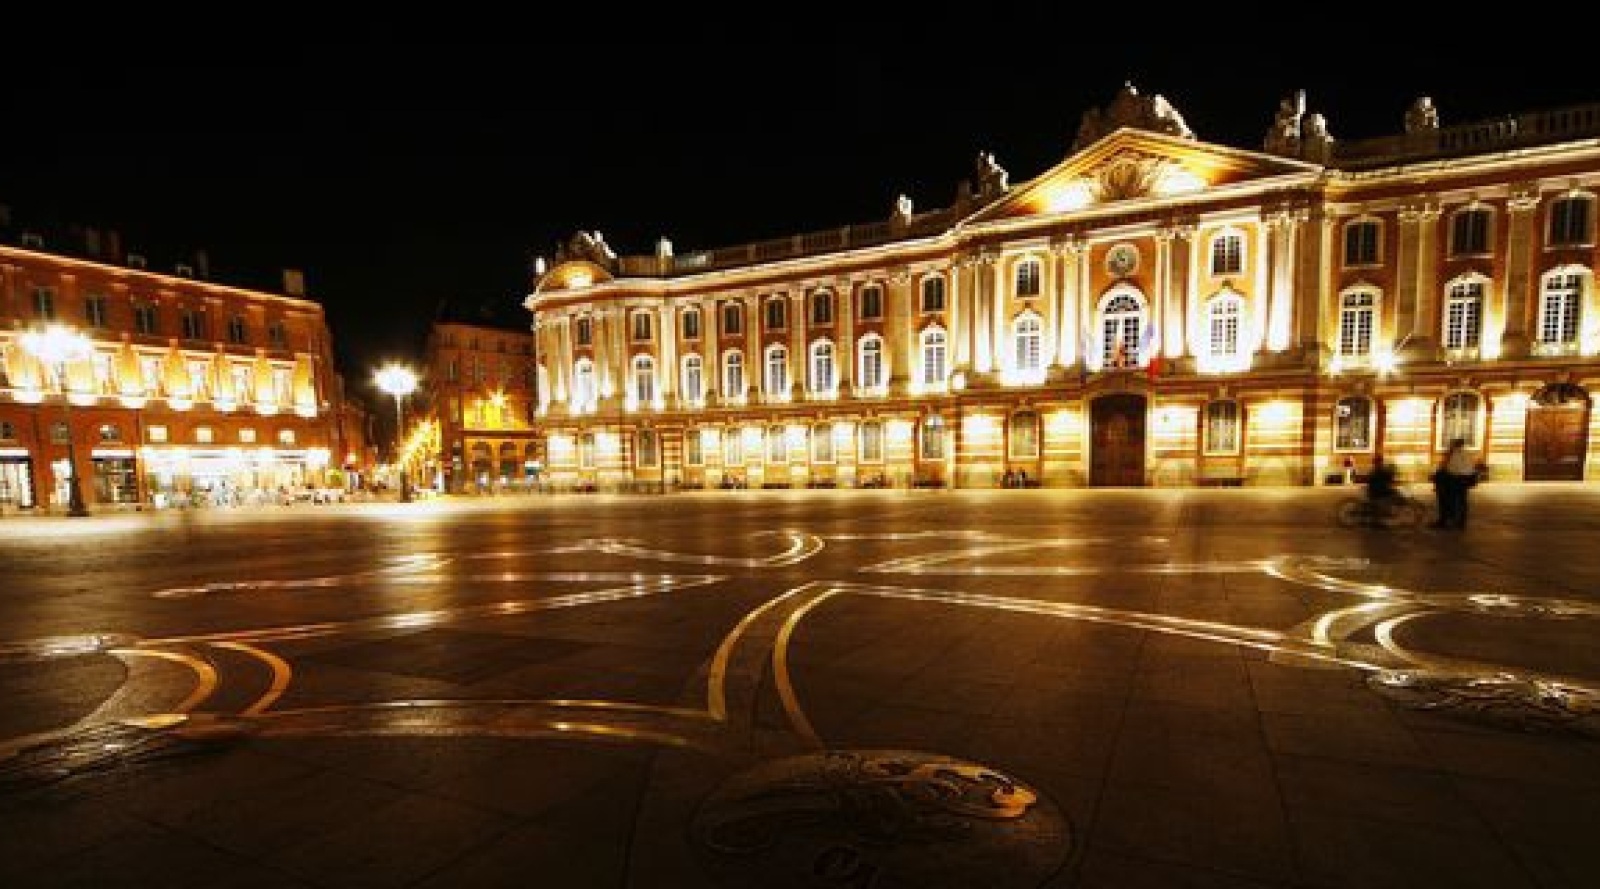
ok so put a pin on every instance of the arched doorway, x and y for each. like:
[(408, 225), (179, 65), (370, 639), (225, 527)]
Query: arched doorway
[(1116, 446), (1558, 434)]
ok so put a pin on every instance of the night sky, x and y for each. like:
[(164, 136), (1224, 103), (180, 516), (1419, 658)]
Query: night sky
[(402, 175)]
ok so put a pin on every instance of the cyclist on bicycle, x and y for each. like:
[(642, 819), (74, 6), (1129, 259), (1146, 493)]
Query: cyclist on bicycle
[(1381, 492)]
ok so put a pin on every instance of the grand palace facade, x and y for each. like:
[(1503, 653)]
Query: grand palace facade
[(1155, 310)]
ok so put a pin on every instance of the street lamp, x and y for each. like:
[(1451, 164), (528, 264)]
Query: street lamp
[(55, 346), (399, 381)]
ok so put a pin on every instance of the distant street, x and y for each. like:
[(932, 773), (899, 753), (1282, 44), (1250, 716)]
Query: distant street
[(875, 689)]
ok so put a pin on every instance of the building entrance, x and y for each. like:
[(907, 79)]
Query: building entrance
[(1558, 437), (1116, 447)]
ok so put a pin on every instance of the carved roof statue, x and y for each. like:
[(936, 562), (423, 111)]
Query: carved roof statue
[(1130, 109), (991, 177), (1422, 116), (584, 245), (1284, 137)]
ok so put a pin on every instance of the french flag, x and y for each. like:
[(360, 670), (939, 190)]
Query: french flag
[(1150, 351)]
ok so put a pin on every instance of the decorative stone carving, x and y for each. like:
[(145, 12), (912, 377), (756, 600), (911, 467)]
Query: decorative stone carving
[(991, 177), (1422, 116), (1130, 109), (1128, 176), (587, 246), (1284, 137)]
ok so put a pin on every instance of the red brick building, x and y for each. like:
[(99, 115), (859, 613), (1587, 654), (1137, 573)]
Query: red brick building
[(189, 388)]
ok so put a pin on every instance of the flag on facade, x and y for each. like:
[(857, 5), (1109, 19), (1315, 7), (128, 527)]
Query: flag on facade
[(1150, 351)]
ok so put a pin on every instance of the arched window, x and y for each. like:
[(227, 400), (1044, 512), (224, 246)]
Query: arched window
[(934, 369), (733, 375), (777, 444), (1463, 314), (1227, 253), (822, 308), (1352, 424), (822, 381), (869, 376), (822, 443), (777, 379), (1029, 337), (1028, 277), (583, 388), (1222, 427), (1460, 416), (1469, 231), (1358, 311), (1559, 302), (933, 294), (932, 443), (1571, 221), (1024, 435), (1361, 242), (1223, 314), (644, 380), (693, 379), (1121, 320)]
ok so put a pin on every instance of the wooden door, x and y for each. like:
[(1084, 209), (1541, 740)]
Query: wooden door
[(1556, 443), (1116, 455)]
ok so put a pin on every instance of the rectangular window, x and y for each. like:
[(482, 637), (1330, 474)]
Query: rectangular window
[(193, 325), (276, 336), (1222, 427), (199, 378), (1569, 222), (244, 382), (144, 318), (60, 433), (105, 376), (933, 439), (1463, 320), (822, 444), (872, 442), (8, 430), (1469, 233), (776, 315), (150, 374), (822, 309), (641, 325), (871, 303), (648, 452), (95, 310), (1352, 424), (1227, 255), (110, 432), (204, 435), (732, 319), (933, 295), (732, 447), (1361, 243), (693, 453), (777, 444), (286, 436), (247, 436), (1028, 278), (236, 330), (1024, 435), (44, 303), (691, 325), (156, 434), (586, 451), (583, 332)]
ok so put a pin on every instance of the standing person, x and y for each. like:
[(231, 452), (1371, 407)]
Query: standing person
[(1380, 489), (1456, 475)]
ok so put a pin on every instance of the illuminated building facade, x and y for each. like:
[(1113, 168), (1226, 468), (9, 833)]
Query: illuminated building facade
[(1154, 310), (191, 388), (479, 396)]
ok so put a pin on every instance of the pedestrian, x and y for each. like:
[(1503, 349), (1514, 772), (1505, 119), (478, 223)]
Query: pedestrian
[(1456, 475), (1380, 490)]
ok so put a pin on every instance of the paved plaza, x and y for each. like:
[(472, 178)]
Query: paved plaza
[(870, 689)]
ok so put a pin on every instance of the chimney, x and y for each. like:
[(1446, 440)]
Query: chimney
[(202, 265), (294, 282)]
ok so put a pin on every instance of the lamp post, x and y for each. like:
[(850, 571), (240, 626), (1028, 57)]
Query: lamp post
[(55, 346), (399, 381)]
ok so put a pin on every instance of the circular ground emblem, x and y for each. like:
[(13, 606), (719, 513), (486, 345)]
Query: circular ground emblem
[(879, 819)]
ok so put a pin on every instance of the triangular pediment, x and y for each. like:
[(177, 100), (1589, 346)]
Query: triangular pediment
[(1132, 165)]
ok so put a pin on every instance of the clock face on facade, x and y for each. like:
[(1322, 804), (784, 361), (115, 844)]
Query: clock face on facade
[(1122, 259)]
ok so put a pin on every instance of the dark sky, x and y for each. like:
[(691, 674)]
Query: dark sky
[(405, 172)]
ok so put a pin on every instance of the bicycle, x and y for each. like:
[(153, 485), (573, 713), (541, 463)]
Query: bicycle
[(1402, 510)]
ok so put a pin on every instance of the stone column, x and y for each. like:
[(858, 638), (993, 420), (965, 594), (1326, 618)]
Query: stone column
[(1000, 314), (1283, 233), (1311, 279), (1064, 257), (667, 362), (1089, 338), (710, 355), (962, 315), (1515, 341), (844, 347), (1163, 313), (755, 371), (983, 360), (1424, 330), (1405, 316), (899, 328), (799, 351)]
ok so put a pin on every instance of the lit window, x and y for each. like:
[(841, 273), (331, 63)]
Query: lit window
[(732, 447), (204, 435), (933, 431), (934, 367), (1352, 424), (1028, 277), (777, 444), (247, 436), (1024, 435), (110, 432), (1463, 315), (155, 434), (1029, 337), (649, 452), (286, 436), (777, 378), (1120, 324), (822, 381), (644, 379), (822, 443), (733, 375), (693, 452), (1222, 427), (1558, 307), (1357, 313), (1222, 315), (870, 378), (693, 379), (871, 434), (1227, 254), (1458, 418), (586, 451)]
